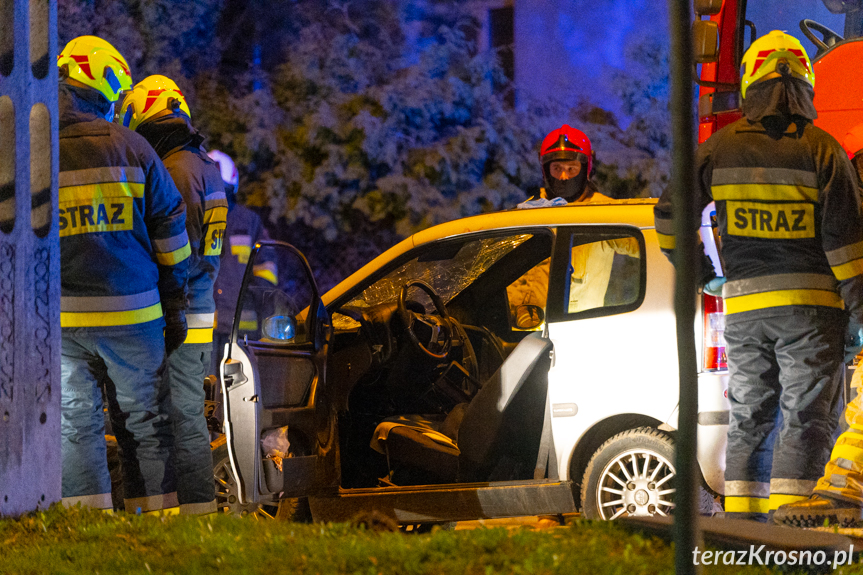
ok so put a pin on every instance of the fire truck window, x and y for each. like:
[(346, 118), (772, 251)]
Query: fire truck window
[(770, 15)]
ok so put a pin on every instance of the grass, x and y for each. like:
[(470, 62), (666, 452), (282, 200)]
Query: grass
[(81, 541)]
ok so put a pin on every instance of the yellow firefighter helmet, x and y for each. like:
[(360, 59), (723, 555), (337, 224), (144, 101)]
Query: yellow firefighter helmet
[(766, 53), (96, 64), (152, 97)]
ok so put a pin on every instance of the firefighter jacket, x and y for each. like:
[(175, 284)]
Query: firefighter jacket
[(199, 181), (243, 231), (124, 250), (788, 216), (590, 266)]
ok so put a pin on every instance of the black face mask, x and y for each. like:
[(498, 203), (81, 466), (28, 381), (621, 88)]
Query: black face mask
[(570, 190)]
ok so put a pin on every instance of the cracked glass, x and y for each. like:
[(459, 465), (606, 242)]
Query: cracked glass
[(448, 267)]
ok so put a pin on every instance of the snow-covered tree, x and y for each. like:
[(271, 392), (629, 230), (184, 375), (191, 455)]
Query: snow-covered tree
[(634, 161), (357, 122), (350, 136)]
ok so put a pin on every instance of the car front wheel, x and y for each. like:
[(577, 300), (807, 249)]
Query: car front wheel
[(227, 491), (632, 474)]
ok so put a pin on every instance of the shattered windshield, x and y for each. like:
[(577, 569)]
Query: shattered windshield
[(449, 267)]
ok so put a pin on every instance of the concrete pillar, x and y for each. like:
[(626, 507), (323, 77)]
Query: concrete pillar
[(29, 258)]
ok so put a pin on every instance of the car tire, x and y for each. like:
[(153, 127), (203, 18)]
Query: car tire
[(290, 509), (632, 474)]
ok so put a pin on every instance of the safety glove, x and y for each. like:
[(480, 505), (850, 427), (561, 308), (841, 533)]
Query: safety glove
[(714, 287), (175, 324), (541, 203), (853, 340)]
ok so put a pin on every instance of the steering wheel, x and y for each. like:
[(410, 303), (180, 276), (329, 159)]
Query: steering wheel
[(830, 38), (408, 318)]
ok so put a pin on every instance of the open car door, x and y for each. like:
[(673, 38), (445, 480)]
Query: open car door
[(278, 424)]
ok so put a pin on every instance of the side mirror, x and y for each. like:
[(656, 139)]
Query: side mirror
[(707, 7), (705, 41), (280, 328), (529, 316)]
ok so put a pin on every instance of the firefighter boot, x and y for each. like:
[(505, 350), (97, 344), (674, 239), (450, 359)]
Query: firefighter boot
[(817, 510)]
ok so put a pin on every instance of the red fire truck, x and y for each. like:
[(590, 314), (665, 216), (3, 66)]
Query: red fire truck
[(723, 29)]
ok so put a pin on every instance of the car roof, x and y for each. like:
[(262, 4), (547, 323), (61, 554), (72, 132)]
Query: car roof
[(634, 212)]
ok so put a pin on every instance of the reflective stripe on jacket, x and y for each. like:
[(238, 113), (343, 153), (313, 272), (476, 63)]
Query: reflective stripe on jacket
[(789, 217), (200, 183), (123, 241)]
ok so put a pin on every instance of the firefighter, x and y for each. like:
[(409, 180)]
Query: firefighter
[(838, 495), (124, 257), (792, 245), (567, 160), (244, 229), (157, 109)]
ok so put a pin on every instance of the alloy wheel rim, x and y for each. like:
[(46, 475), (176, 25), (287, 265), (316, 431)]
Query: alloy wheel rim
[(636, 483), (227, 496)]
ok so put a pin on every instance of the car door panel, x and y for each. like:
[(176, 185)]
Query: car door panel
[(273, 381), (241, 415), (610, 360)]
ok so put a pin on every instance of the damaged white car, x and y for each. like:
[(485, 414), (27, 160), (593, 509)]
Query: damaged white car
[(515, 363)]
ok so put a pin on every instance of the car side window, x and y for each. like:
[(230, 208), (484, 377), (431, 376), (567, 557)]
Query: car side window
[(600, 271), (451, 266), (273, 304)]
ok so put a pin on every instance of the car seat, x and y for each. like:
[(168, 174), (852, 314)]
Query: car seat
[(504, 418)]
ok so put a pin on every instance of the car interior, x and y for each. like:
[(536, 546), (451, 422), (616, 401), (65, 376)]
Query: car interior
[(442, 387)]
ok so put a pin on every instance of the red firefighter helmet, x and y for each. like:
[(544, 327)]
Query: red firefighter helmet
[(561, 145)]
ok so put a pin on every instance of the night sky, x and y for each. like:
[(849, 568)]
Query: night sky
[(576, 46)]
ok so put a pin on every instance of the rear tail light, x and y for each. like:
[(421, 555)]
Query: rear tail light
[(714, 333)]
